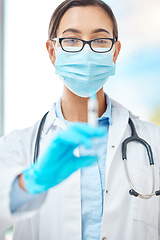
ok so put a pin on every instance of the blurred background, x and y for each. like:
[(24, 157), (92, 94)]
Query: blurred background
[(137, 81), (28, 85)]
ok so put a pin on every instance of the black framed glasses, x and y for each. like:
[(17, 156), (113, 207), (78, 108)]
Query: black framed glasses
[(98, 45)]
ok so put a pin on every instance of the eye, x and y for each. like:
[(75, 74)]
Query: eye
[(100, 41), (71, 42)]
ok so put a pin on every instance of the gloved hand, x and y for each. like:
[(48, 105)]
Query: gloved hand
[(58, 162)]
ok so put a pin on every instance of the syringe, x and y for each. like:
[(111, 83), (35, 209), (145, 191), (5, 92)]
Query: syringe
[(93, 117), (92, 120), (93, 110)]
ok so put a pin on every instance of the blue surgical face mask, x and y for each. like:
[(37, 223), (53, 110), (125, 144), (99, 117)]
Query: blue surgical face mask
[(85, 72)]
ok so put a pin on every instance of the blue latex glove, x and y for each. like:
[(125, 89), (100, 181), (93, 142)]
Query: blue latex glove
[(58, 162)]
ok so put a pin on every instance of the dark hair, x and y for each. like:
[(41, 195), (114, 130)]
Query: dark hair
[(64, 6)]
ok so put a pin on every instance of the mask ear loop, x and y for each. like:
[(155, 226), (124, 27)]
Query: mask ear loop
[(56, 49), (113, 48)]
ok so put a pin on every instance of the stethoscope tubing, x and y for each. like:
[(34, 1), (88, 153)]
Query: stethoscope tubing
[(135, 138), (37, 142)]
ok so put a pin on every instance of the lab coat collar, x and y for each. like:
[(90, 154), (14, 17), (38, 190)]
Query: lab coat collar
[(108, 113), (52, 120), (120, 117)]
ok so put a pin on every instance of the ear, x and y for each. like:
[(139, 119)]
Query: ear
[(51, 51), (117, 50)]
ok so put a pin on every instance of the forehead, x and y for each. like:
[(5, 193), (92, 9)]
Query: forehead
[(85, 19)]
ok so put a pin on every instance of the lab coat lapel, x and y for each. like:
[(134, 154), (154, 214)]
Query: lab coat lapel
[(120, 117), (52, 120)]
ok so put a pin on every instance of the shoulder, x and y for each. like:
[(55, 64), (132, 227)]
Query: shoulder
[(119, 107), (148, 131), (141, 125), (27, 136), (18, 138)]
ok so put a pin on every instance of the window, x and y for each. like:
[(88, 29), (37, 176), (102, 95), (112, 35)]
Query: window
[(30, 83)]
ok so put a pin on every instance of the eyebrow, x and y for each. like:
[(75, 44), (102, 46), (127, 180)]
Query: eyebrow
[(100, 30), (74, 30)]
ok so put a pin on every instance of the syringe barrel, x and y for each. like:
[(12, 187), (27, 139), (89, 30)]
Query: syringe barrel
[(93, 111)]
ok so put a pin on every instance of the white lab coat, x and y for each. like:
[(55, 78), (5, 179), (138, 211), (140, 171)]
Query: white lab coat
[(57, 213)]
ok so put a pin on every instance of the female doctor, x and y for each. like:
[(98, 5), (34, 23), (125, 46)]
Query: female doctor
[(65, 193)]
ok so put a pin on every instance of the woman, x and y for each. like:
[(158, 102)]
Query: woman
[(68, 196)]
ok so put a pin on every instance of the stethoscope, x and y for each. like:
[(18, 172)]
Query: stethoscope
[(133, 138)]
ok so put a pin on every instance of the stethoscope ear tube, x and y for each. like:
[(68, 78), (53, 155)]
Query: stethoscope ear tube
[(157, 193), (134, 193)]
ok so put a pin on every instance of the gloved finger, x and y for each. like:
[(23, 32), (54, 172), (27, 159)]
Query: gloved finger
[(70, 164), (84, 161), (89, 130), (84, 129), (73, 165), (59, 148), (73, 139), (79, 134)]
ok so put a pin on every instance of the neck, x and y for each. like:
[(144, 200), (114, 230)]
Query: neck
[(74, 108)]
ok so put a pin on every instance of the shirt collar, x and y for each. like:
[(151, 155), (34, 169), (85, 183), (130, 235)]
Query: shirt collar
[(108, 113), (55, 116)]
